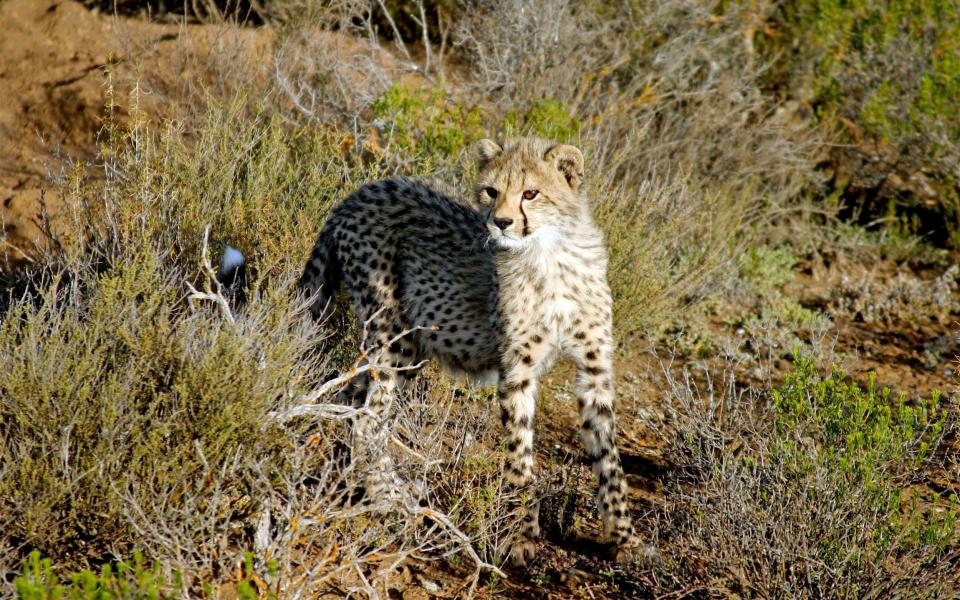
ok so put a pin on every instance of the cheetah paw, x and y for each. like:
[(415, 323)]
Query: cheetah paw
[(633, 550), (522, 551)]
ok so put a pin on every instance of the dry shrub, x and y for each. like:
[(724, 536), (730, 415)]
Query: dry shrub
[(902, 299), (654, 92), (802, 492), (137, 415), (118, 402), (174, 72), (329, 77)]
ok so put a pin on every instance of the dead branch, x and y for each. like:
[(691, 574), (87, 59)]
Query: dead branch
[(213, 290)]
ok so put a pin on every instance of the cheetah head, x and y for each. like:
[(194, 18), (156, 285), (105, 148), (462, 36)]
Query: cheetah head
[(530, 188)]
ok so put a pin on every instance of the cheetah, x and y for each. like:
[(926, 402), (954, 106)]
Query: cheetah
[(495, 289)]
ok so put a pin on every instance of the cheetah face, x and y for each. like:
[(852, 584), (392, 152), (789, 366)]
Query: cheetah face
[(530, 190)]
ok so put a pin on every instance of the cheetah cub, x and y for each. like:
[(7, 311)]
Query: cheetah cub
[(500, 287)]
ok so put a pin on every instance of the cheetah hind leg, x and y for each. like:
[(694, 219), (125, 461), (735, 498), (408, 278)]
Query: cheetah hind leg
[(371, 438), (371, 435)]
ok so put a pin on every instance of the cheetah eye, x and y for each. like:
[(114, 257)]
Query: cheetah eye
[(492, 192), (530, 194)]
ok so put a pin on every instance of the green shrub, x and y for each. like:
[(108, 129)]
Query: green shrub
[(548, 118), (865, 440), (768, 267), (818, 503), (426, 125), (123, 580), (885, 75)]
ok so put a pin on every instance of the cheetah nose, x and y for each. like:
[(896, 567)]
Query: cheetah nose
[(503, 223)]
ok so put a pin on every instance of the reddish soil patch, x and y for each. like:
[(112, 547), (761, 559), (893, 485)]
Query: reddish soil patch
[(60, 67), (51, 102)]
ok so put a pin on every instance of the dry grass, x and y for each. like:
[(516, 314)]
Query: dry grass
[(136, 415)]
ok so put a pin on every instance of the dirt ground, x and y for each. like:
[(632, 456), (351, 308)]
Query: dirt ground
[(62, 65), (64, 70)]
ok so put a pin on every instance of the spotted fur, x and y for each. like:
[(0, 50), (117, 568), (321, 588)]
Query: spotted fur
[(504, 285)]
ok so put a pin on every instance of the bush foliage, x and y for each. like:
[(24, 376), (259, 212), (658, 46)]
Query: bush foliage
[(886, 76), (817, 502)]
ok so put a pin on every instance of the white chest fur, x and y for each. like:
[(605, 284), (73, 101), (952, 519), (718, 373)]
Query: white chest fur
[(545, 282)]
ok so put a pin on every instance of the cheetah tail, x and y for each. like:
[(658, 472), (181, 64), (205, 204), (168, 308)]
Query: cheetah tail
[(232, 275), (321, 276)]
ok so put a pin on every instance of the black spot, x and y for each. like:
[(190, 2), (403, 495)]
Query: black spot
[(580, 335), (536, 339), (593, 370), (527, 360), (524, 422), (591, 355)]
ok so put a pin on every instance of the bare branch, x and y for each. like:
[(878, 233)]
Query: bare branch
[(214, 291)]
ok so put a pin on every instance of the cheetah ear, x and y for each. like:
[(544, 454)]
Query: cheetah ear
[(486, 150), (569, 161)]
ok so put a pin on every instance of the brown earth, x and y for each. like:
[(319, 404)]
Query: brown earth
[(63, 70), (51, 106)]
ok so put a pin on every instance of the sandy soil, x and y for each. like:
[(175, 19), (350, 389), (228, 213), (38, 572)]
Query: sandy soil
[(61, 67)]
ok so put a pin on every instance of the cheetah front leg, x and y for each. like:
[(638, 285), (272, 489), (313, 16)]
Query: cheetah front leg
[(518, 390), (594, 389)]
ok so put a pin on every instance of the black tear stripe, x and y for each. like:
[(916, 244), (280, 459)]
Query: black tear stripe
[(526, 223)]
